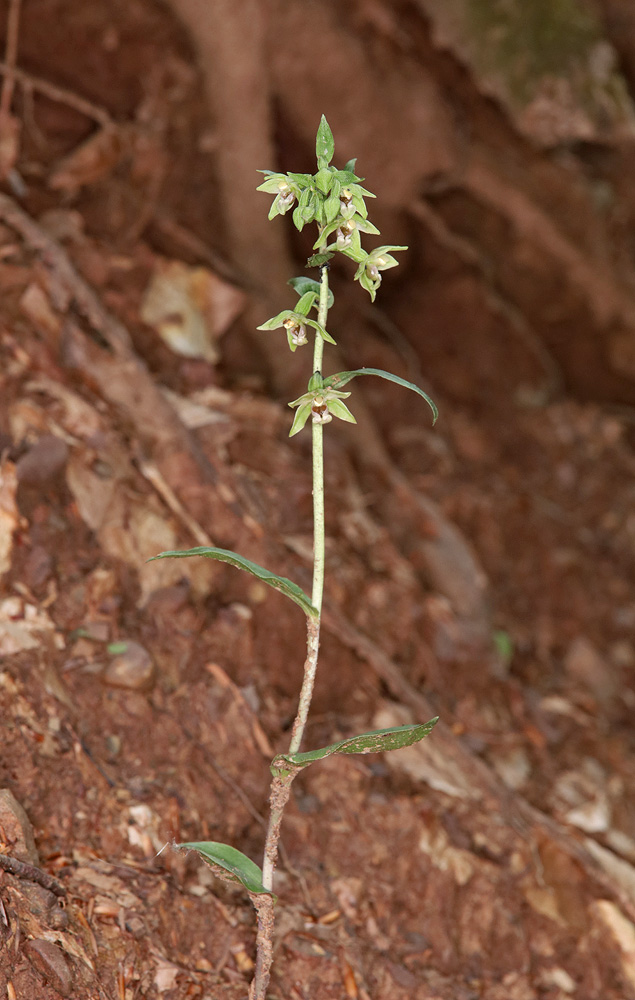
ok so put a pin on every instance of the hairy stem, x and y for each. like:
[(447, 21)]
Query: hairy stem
[(264, 956), (281, 786)]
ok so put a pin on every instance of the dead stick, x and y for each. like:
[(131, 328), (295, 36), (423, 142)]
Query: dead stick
[(70, 283), (11, 56), (32, 874)]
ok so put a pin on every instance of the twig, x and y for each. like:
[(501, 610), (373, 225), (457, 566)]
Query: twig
[(58, 94), (11, 56), (21, 869), (169, 497), (71, 287)]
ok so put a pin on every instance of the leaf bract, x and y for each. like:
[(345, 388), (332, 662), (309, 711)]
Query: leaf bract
[(324, 144)]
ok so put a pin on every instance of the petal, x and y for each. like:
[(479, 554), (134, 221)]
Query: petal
[(341, 410), (301, 416), (276, 321)]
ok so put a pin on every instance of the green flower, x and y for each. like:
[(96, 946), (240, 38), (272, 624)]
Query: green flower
[(346, 232), (352, 200), (295, 323), (296, 332), (286, 191), (321, 404), (368, 271)]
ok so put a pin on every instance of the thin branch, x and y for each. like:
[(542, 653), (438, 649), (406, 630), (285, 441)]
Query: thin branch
[(21, 869), (11, 57), (58, 94)]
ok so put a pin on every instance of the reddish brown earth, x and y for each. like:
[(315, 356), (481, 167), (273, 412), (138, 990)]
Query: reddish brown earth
[(481, 571)]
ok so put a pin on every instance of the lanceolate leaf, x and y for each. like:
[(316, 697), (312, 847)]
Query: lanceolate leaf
[(319, 259), (377, 741), (229, 864), (324, 144), (305, 302), (271, 579), (341, 378)]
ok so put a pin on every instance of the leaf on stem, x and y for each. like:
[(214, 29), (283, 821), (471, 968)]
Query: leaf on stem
[(341, 378), (319, 259), (324, 144), (306, 302), (280, 583), (229, 864), (376, 741), (302, 285)]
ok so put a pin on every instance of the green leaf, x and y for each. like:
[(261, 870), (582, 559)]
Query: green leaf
[(320, 259), (346, 177), (116, 648), (341, 378), (305, 303), (350, 166), (324, 144), (280, 583), (376, 741), (332, 207), (302, 180), (229, 864), (298, 220), (303, 284), (312, 209)]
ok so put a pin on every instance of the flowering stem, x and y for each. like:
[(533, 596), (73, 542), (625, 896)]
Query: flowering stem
[(313, 625), (281, 786)]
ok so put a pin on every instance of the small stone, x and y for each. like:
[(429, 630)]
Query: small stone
[(513, 766), (133, 669), (622, 653), (44, 904), (49, 960), (17, 829), (585, 664), (98, 631), (43, 462), (558, 978), (37, 567)]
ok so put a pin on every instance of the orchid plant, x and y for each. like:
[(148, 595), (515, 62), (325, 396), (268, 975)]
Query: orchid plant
[(335, 201)]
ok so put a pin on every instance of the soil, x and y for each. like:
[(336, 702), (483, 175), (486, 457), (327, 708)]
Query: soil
[(480, 570)]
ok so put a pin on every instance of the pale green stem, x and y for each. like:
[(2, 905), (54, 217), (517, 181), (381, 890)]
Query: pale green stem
[(281, 786), (279, 796), (313, 625)]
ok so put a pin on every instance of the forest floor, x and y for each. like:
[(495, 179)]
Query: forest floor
[(140, 703)]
